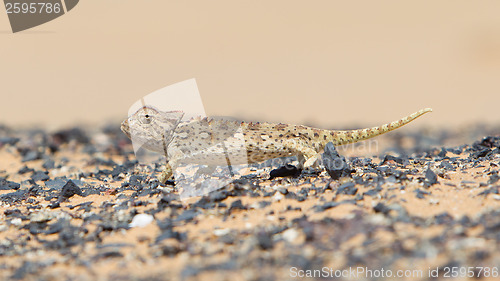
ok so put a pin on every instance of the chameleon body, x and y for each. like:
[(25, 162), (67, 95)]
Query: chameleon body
[(209, 142)]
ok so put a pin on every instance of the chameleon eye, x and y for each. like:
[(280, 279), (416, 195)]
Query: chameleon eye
[(146, 119)]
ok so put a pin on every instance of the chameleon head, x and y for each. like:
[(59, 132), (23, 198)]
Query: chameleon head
[(151, 128)]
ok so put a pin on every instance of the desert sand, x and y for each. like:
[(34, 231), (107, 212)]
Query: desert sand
[(67, 201)]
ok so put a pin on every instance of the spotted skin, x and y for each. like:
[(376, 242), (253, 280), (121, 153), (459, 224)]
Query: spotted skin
[(210, 142)]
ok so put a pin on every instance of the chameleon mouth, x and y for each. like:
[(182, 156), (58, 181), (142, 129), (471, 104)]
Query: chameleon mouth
[(125, 128)]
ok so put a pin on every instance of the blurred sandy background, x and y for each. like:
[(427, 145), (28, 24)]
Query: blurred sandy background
[(328, 63)]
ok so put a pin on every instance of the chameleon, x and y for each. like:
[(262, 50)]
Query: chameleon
[(209, 141)]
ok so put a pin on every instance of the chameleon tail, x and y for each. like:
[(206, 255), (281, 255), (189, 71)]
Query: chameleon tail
[(351, 136)]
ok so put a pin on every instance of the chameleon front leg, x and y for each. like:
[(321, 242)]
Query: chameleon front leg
[(170, 164), (168, 171)]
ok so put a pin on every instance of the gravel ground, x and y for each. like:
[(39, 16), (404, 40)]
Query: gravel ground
[(75, 205)]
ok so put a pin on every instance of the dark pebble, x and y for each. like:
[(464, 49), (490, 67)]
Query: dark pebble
[(493, 190), (457, 150), (430, 177), (31, 155), (493, 178), (481, 153), (70, 189), (283, 190), (26, 268), (335, 165), (56, 184), (54, 205), (170, 250), (25, 170), (12, 212), (447, 165), (40, 176), (265, 241), (389, 158), (227, 239), (347, 188), (187, 215), (372, 192), (217, 196), (8, 185), (237, 205), (64, 136), (443, 218), (48, 164), (421, 194), (108, 254), (326, 206), (12, 197), (285, 171), (8, 140), (381, 208)]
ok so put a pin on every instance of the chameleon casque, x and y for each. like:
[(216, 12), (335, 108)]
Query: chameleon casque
[(210, 141)]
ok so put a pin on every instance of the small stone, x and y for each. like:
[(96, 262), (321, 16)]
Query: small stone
[(8, 185), (70, 189), (8, 140), (381, 208), (493, 178), (141, 220), (285, 171), (388, 158), (237, 205), (430, 177), (283, 190), (326, 206), (31, 155), (40, 217), (40, 176), (447, 165), (264, 241), (481, 153), (290, 235), (16, 221), (49, 164), (55, 184), (421, 194), (335, 165), (25, 170), (222, 232), (278, 197), (347, 188)]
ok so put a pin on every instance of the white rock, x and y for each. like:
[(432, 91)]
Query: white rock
[(278, 197), (290, 235), (141, 220), (433, 201), (221, 232), (16, 221)]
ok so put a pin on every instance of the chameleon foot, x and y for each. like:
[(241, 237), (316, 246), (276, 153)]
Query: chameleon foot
[(166, 174)]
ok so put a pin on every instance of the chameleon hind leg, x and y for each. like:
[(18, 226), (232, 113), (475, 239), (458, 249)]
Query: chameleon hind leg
[(307, 157)]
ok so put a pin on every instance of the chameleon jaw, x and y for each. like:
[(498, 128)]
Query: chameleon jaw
[(125, 128)]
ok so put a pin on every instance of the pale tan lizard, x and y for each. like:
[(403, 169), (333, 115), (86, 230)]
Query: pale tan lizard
[(204, 141)]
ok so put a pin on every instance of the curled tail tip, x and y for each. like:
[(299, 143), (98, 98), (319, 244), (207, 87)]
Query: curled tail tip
[(428, 109)]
